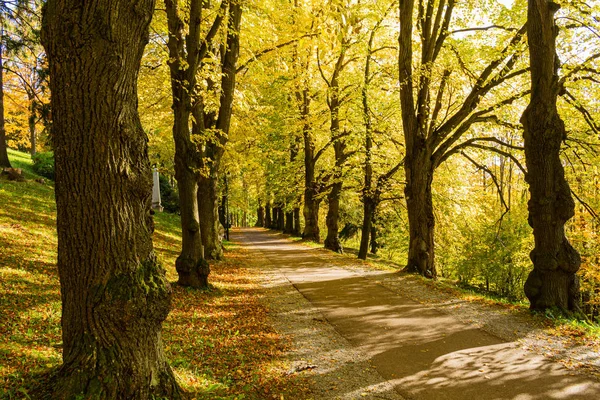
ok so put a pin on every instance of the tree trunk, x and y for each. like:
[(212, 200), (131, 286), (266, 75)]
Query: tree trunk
[(208, 206), (297, 229), (273, 218), (311, 214), (553, 282), (4, 161), (419, 205), (31, 123), (260, 216), (191, 266), (374, 243), (268, 216), (332, 241), (281, 220), (368, 209), (289, 223), (114, 292)]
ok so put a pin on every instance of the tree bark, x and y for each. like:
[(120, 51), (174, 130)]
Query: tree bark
[(4, 161), (114, 292), (553, 281), (419, 205), (208, 206)]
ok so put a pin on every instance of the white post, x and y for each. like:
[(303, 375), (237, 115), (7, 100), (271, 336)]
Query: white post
[(156, 191)]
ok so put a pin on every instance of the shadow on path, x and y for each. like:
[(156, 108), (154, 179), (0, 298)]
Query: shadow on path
[(423, 352)]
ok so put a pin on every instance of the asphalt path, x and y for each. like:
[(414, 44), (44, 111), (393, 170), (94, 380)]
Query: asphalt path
[(423, 352)]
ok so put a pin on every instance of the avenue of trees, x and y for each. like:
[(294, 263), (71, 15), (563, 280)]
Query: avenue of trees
[(458, 139)]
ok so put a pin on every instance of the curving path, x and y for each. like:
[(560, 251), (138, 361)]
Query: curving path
[(422, 352)]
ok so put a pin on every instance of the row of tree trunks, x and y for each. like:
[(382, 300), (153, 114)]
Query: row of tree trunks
[(114, 292)]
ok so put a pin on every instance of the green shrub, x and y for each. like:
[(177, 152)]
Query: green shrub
[(43, 164), (168, 196)]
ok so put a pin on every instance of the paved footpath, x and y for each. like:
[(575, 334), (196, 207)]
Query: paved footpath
[(422, 352)]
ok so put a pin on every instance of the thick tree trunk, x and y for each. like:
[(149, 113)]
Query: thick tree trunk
[(260, 216), (368, 210), (191, 267), (553, 281), (297, 229), (419, 205), (208, 205), (114, 292), (4, 161)]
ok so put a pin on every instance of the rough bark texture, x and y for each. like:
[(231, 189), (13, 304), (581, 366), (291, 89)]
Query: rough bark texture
[(419, 204), (191, 267), (4, 161), (114, 293), (553, 282), (281, 219)]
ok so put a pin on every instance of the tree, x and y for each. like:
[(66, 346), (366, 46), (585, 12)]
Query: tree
[(215, 124), (185, 55), (553, 281), (4, 161), (115, 295), (430, 136)]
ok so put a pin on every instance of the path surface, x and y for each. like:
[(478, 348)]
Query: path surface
[(422, 352)]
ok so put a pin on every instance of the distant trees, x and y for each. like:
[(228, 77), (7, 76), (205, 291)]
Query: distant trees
[(115, 295)]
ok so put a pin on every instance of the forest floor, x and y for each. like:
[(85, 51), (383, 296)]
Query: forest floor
[(361, 332)]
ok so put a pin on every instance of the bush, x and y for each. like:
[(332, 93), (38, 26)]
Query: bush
[(43, 164), (168, 196)]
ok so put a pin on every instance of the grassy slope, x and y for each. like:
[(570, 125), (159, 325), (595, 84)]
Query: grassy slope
[(219, 341)]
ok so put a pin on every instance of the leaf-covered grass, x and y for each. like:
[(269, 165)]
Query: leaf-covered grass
[(219, 341)]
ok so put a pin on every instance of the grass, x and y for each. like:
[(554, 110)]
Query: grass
[(219, 341)]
